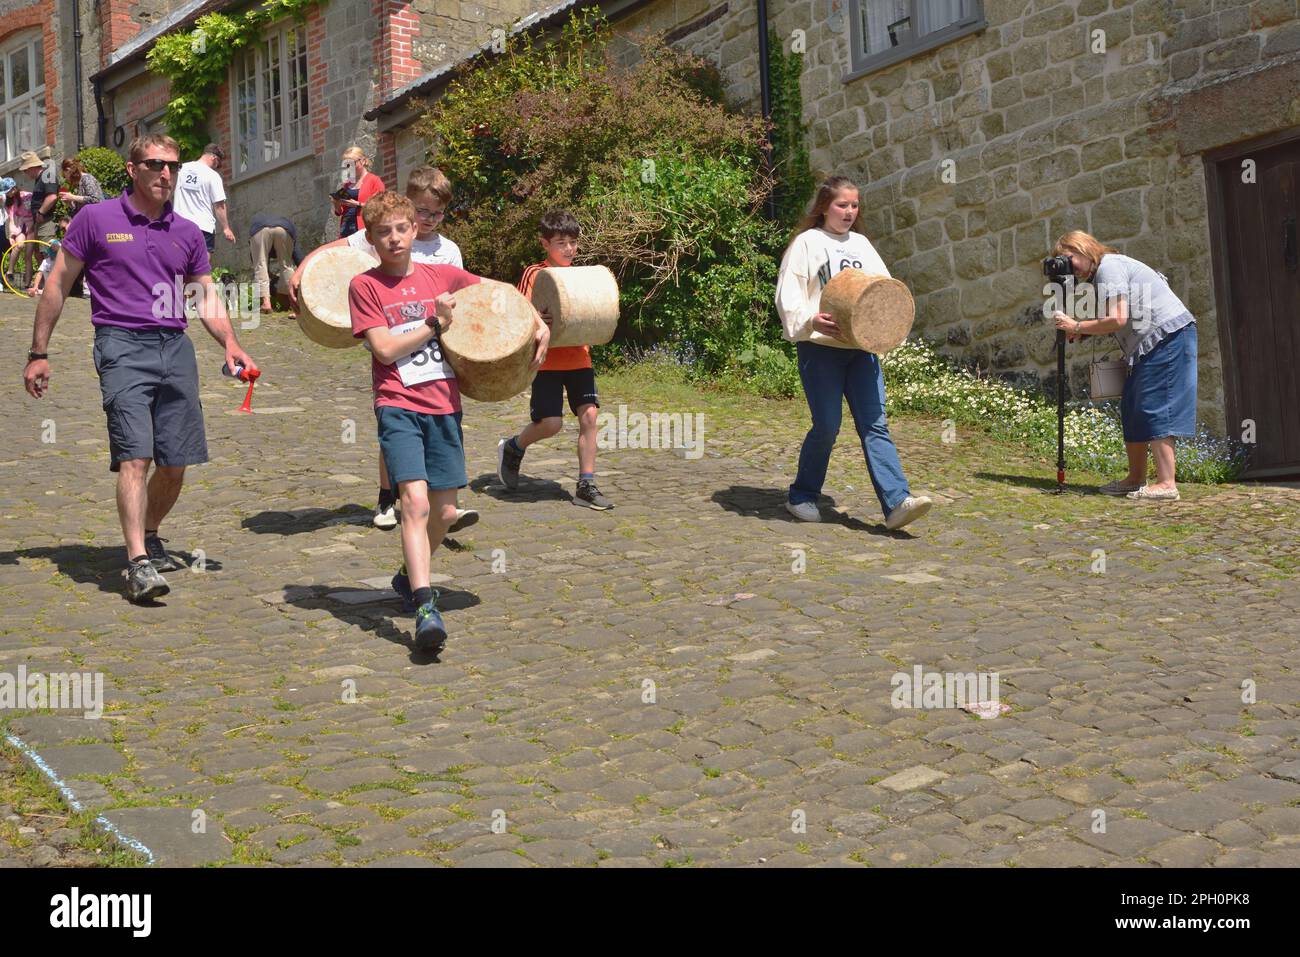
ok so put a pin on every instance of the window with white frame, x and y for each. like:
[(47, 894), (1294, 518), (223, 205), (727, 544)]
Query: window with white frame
[(887, 31), (22, 96), (270, 100)]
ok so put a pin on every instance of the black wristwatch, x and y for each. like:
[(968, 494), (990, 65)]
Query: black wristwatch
[(33, 356)]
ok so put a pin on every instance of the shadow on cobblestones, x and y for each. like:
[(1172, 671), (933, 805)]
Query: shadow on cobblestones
[(530, 489), (769, 504), (377, 617), (99, 565), (301, 520), (1031, 481)]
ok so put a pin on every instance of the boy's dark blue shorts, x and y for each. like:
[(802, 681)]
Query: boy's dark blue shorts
[(422, 446), (549, 388)]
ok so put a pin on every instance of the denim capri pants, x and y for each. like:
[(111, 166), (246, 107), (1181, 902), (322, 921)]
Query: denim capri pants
[(1159, 399)]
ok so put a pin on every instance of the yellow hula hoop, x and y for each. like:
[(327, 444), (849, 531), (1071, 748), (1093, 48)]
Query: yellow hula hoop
[(4, 264)]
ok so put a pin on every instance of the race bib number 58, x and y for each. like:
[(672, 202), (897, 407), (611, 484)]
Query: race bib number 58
[(425, 364)]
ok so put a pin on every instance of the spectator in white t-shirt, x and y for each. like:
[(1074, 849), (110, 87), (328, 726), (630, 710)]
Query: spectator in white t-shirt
[(200, 196)]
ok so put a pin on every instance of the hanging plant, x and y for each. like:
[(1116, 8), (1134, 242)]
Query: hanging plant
[(794, 178)]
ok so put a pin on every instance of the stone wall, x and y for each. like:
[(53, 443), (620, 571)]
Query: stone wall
[(450, 29), (1039, 134)]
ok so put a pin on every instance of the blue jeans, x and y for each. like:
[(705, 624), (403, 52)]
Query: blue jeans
[(829, 376)]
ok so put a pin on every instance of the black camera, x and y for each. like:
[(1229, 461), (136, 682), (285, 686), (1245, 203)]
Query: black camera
[(341, 193), (1058, 267)]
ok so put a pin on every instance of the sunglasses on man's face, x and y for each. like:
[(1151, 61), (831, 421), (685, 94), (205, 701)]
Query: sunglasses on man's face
[(156, 165)]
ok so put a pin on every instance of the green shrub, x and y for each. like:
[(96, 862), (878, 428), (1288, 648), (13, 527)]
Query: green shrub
[(772, 370), (108, 168), (666, 182)]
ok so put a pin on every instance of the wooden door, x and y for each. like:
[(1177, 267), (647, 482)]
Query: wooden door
[(1257, 280)]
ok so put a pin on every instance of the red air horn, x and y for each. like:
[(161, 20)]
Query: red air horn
[(243, 375)]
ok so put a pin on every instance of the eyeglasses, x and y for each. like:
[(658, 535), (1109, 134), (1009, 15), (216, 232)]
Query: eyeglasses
[(429, 213), (156, 165)]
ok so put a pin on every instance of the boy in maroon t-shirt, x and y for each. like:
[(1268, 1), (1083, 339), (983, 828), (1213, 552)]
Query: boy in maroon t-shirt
[(400, 308)]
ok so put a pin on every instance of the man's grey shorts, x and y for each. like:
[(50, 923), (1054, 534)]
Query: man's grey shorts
[(149, 381)]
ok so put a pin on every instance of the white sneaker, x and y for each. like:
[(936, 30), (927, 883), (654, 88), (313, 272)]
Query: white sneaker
[(465, 517), (907, 511), (804, 511), (385, 517)]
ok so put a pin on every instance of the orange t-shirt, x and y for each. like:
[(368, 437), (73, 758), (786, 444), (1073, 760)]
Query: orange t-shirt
[(562, 358)]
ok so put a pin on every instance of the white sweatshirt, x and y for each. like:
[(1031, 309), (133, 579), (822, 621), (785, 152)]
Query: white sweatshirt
[(814, 256)]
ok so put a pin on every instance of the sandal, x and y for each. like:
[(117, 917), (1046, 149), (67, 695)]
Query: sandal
[(1147, 494)]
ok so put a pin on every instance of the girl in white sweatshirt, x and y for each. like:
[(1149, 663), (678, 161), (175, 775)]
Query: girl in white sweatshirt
[(826, 241)]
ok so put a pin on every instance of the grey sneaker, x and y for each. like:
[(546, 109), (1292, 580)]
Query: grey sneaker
[(143, 582), (508, 462), (908, 511), (465, 517), (590, 496), (1118, 487), (158, 557)]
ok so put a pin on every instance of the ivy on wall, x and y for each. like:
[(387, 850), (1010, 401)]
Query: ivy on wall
[(195, 62), (794, 178)]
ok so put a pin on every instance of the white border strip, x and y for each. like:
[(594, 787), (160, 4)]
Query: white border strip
[(76, 805)]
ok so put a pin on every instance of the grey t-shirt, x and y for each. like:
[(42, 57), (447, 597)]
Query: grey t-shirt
[(1153, 310)]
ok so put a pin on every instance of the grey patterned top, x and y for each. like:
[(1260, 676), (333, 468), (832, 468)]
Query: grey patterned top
[(1154, 312)]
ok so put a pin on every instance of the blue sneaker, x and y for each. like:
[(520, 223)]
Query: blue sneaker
[(430, 633), (402, 585)]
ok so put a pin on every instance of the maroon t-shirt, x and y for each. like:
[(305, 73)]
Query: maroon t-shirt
[(424, 380)]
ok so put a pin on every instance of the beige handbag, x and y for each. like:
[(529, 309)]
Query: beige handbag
[(1106, 377)]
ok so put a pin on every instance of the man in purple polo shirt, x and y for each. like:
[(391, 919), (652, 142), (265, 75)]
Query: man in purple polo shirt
[(136, 253)]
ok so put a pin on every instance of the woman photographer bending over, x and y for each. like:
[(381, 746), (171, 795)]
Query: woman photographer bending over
[(1158, 336)]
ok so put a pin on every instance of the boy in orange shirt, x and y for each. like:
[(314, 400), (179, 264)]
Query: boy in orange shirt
[(566, 369)]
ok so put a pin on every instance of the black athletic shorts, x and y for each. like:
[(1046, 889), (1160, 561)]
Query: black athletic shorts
[(549, 388)]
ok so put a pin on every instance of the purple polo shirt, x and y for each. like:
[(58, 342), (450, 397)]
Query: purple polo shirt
[(136, 268)]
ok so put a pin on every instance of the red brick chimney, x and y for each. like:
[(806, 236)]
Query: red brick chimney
[(116, 26), (399, 26)]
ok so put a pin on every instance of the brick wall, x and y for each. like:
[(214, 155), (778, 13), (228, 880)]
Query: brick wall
[(1043, 135), (399, 26), (120, 21)]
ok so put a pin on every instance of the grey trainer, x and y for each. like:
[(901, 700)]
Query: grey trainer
[(143, 582)]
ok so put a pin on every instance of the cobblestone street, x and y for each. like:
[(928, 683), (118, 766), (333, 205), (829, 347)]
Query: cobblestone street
[(690, 678)]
